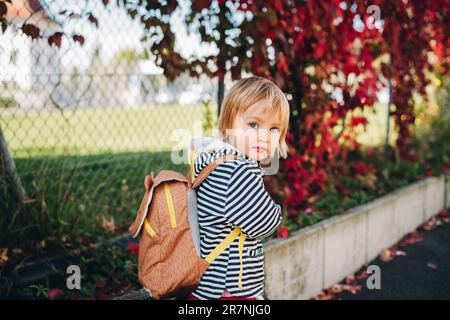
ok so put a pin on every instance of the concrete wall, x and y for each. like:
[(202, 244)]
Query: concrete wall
[(447, 193), (319, 256)]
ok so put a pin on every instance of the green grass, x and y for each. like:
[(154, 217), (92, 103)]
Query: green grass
[(81, 165), (68, 194), (90, 131)]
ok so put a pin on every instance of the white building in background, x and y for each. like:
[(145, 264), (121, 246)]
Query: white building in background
[(38, 76), (26, 63)]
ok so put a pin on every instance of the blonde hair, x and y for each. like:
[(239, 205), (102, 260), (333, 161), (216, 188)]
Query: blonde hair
[(249, 91)]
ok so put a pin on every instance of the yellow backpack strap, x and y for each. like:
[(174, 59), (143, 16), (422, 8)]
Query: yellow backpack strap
[(191, 163), (241, 249), (149, 229), (170, 205), (237, 232)]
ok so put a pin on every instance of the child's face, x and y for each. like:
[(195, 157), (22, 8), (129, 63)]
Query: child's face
[(255, 133)]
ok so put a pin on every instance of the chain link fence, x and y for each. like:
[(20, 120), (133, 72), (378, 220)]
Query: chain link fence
[(85, 123)]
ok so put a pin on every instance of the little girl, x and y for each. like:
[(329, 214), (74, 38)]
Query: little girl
[(253, 124)]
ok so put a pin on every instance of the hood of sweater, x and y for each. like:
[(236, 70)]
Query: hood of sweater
[(208, 149)]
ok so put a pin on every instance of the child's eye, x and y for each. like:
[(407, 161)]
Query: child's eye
[(275, 130), (253, 125)]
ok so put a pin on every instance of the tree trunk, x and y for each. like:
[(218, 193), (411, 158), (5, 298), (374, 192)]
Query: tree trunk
[(220, 93), (12, 178)]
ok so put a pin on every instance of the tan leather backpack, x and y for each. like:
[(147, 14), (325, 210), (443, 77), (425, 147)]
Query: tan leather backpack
[(169, 261)]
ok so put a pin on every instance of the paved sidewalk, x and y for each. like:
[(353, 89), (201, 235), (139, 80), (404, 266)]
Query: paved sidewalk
[(422, 273)]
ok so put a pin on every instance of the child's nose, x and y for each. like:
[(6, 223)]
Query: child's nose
[(263, 135)]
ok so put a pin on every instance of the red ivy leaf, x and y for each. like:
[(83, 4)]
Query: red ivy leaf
[(55, 294), (362, 168), (357, 120), (78, 38), (105, 2), (199, 5), (134, 248), (55, 39), (31, 30), (282, 65), (283, 232)]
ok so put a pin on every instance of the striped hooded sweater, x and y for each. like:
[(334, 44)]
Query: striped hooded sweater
[(233, 195)]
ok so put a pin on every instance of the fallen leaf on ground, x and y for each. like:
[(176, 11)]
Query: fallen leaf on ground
[(430, 225), (410, 238), (362, 275), (386, 255), (350, 279), (324, 295), (444, 216), (400, 253), (345, 287)]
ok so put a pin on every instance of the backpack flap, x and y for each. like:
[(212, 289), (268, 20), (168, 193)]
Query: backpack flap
[(142, 212), (150, 184)]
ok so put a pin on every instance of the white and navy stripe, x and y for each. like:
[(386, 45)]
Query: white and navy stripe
[(233, 195)]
